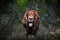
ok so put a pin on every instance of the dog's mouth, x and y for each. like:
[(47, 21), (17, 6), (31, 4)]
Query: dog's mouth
[(31, 20)]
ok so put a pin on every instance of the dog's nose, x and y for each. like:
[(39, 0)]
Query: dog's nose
[(30, 18)]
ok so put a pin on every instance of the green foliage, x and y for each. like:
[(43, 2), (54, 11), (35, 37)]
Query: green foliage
[(22, 4)]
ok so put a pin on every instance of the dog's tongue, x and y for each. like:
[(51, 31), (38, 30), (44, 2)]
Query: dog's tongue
[(30, 24)]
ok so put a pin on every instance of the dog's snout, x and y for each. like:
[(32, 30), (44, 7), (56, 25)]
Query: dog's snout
[(30, 18)]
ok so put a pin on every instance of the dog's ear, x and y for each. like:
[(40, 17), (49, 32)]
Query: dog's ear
[(36, 14), (25, 17)]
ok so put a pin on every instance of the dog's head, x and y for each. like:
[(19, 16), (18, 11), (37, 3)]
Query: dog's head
[(32, 15)]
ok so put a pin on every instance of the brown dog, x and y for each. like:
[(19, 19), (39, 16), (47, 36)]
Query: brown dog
[(31, 15)]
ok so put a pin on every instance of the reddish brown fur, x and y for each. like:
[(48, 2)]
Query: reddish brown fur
[(36, 22)]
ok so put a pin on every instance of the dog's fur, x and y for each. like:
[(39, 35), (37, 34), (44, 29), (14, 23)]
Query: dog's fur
[(35, 15)]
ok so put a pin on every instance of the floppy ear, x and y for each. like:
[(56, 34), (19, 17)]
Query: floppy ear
[(37, 17), (36, 14), (25, 17)]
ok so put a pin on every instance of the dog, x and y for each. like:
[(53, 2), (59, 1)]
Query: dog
[(31, 21)]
